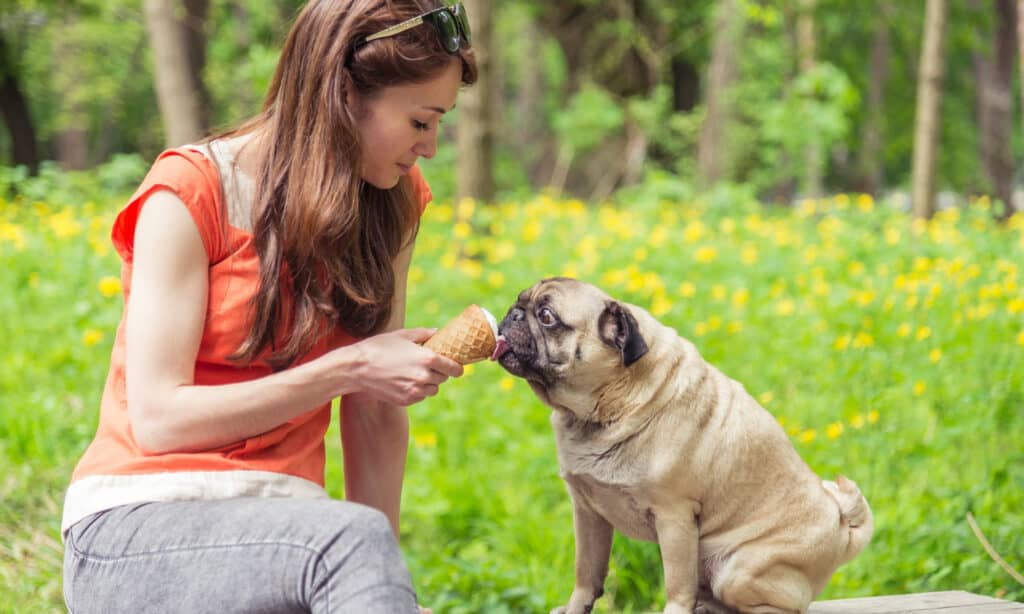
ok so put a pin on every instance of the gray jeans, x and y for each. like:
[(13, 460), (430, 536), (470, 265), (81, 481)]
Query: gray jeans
[(236, 555)]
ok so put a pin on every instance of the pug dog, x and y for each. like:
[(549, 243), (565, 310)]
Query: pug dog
[(655, 442)]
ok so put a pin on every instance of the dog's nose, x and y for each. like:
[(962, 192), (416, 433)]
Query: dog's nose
[(517, 314)]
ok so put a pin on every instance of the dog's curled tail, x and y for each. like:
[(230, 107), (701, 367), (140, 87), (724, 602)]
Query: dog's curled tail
[(855, 514)]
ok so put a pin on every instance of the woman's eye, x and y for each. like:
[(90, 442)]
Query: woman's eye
[(546, 317), (421, 126)]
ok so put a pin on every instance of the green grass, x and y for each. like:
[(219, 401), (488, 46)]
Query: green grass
[(891, 351)]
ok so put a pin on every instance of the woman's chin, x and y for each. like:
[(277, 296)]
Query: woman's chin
[(383, 183)]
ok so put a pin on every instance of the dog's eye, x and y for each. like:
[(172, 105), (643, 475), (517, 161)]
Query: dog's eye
[(546, 317)]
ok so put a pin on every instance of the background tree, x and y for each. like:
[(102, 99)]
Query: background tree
[(477, 112), (721, 74), (870, 164), (929, 101), (14, 107), (176, 30)]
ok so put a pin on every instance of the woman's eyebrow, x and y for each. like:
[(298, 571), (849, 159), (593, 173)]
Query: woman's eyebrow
[(437, 109)]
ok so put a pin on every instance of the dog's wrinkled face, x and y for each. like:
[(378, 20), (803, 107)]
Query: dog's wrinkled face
[(567, 338)]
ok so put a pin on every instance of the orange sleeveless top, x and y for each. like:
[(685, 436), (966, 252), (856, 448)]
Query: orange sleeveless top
[(285, 461)]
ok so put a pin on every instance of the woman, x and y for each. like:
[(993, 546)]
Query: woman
[(264, 275)]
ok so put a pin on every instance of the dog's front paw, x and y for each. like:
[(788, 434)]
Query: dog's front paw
[(565, 609)]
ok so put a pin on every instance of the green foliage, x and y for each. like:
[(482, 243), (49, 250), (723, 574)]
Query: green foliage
[(891, 350), (589, 118)]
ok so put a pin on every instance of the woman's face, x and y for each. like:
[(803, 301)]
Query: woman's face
[(399, 124)]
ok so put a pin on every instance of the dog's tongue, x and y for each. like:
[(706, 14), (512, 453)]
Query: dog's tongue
[(500, 347)]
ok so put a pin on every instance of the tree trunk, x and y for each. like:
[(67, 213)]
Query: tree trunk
[(14, 108), (475, 130), (871, 162), (1020, 45), (999, 101), (179, 56), (527, 133), (711, 149), (929, 101), (806, 52), (71, 138), (686, 85)]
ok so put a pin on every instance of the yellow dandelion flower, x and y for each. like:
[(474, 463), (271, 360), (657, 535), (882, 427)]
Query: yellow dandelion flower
[(531, 230), (640, 254), (865, 203), (705, 254), (842, 343), (64, 225), (660, 305), (808, 436), (857, 421), (1020, 338), (719, 292), (785, 307), (872, 416), (700, 329), (856, 269), (466, 208), (109, 286), (740, 297), (471, 268), (714, 323), (506, 383), (461, 230), (496, 280), (687, 289), (919, 388), (863, 340), (727, 226), (468, 369), (935, 355), (658, 237), (766, 397), (91, 337), (864, 297), (425, 439), (923, 333), (416, 274), (904, 330), (834, 430), (737, 326), (693, 232), (748, 255)]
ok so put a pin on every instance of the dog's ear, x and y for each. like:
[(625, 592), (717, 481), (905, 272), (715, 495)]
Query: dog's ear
[(618, 328)]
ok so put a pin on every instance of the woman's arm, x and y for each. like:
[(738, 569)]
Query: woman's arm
[(375, 434), (164, 326)]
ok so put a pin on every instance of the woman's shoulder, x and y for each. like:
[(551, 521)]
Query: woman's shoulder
[(193, 178)]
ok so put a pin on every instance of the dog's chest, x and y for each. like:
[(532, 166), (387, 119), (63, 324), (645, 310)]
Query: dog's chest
[(621, 506)]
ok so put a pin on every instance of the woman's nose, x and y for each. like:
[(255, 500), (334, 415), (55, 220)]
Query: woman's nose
[(427, 147)]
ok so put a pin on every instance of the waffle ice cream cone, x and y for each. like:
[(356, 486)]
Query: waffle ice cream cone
[(470, 337)]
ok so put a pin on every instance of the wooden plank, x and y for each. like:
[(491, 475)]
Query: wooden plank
[(946, 602)]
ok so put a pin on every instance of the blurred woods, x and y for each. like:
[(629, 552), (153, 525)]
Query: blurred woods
[(627, 99)]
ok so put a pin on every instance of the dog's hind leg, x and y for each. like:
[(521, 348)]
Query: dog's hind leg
[(707, 604), (778, 589)]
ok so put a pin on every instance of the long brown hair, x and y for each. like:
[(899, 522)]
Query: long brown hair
[(326, 238)]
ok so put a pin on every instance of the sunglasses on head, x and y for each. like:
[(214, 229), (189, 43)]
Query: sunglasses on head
[(450, 23)]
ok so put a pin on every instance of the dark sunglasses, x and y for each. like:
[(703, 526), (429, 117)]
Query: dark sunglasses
[(450, 23)]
